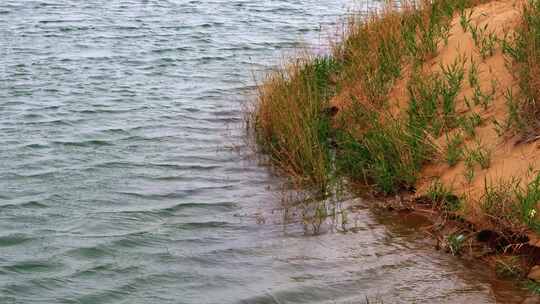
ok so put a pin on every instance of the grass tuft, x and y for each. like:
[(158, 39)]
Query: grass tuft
[(290, 121), (443, 197), (454, 150)]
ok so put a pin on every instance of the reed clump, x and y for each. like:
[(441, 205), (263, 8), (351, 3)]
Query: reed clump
[(291, 122), (293, 119)]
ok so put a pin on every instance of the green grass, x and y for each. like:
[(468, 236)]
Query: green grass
[(509, 203), (498, 202), (473, 75), (479, 155), (523, 52), (455, 243), (422, 32), (453, 76), (527, 199), (469, 123), (484, 39), (289, 122), (432, 104), (469, 172), (424, 103), (387, 155), (454, 149), (514, 122), (465, 19), (533, 287), (442, 196)]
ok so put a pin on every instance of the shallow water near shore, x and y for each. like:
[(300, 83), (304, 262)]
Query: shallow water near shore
[(121, 179)]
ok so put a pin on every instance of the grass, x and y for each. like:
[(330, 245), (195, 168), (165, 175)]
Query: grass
[(465, 18), (330, 120), (388, 155), (514, 122), (427, 27), (498, 202), (469, 123), (484, 39), (479, 97), (523, 51), (372, 52), (473, 75), (527, 199), (511, 204), (508, 267), (290, 123), (424, 103), (469, 172), (454, 150), (479, 155), (533, 287), (442, 196), (453, 76), (455, 243), (432, 104)]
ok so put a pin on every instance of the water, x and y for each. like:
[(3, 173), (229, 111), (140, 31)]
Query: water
[(118, 183)]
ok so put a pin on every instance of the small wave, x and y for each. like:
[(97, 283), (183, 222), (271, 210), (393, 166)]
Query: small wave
[(87, 143), (14, 239), (32, 116), (42, 174), (173, 195), (75, 28), (109, 111), (56, 122), (32, 267), (182, 167), (36, 146), (167, 50), (30, 204), (225, 206), (88, 252), (105, 268), (201, 225)]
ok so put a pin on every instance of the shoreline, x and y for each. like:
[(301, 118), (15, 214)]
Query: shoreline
[(433, 103)]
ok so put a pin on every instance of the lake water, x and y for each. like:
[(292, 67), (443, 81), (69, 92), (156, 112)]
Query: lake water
[(119, 182)]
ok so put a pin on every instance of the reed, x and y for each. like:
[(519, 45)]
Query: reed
[(290, 120)]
